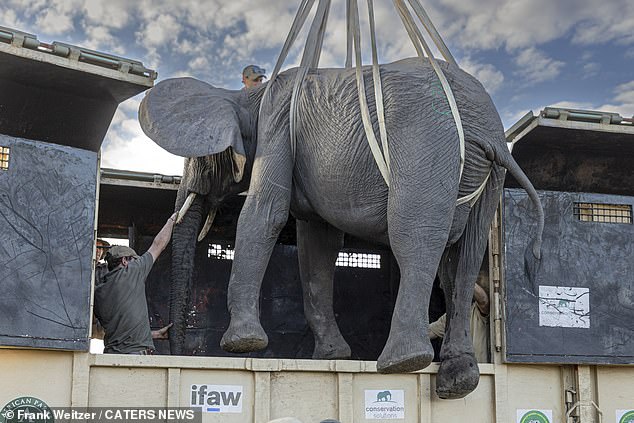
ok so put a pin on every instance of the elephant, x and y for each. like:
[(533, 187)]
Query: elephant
[(384, 396), (329, 181)]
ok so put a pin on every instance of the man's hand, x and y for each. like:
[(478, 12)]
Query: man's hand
[(162, 333)]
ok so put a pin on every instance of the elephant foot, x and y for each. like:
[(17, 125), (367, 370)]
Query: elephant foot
[(338, 349), (457, 377), (406, 356), (244, 337)]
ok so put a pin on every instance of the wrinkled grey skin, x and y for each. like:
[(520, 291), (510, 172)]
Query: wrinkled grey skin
[(333, 186)]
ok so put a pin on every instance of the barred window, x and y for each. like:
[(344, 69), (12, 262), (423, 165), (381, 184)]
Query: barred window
[(4, 158), (603, 213), (216, 251), (363, 260)]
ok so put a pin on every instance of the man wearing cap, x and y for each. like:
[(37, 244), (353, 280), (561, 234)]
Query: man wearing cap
[(252, 76), (120, 303)]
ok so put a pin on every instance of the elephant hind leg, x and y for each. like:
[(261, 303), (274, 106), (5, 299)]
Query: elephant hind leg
[(458, 374), (418, 229), (318, 245)]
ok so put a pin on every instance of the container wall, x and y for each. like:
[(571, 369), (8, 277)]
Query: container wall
[(578, 305), (47, 203), (245, 390)]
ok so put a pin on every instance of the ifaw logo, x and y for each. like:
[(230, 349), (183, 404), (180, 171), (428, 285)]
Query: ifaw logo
[(217, 398)]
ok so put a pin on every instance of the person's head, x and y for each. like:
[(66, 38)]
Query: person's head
[(120, 255), (252, 76), (102, 248)]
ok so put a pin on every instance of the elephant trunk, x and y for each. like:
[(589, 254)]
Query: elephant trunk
[(183, 253)]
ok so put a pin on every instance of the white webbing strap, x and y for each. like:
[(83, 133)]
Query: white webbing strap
[(298, 23), (431, 30), (310, 59), (363, 103), (475, 195), (348, 36), (312, 53), (378, 89), (419, 41)]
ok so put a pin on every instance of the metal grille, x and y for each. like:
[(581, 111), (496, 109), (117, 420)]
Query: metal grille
[(603, 213), (362, 260), (369, 261), (4, 158), (216, 251)]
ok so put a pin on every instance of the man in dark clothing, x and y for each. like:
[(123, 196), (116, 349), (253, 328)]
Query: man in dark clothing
[(120, 303)]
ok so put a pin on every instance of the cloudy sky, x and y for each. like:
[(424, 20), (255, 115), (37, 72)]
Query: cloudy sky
[(528, 53)]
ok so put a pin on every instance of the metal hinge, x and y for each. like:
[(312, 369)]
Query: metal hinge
[(494, 245)]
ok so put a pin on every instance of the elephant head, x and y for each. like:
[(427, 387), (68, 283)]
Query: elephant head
[(214, 129)]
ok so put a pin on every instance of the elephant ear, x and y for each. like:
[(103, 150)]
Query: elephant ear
[(190, 118)]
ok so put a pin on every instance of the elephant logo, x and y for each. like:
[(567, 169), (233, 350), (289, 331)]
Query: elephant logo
[(384, 396)]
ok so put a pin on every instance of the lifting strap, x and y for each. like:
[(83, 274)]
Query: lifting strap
[(312, 53), (418, 41), (381, 159)]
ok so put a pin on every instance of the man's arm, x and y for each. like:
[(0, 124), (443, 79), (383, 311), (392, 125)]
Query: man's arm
[(163, 238), (437, 328), (162, 333), (482, 300)]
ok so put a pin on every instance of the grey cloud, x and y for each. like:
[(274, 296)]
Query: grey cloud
[(487, 74), (514, 24), (110, 14), (10, 19), (591, 69), (534, 66), (54, 22)]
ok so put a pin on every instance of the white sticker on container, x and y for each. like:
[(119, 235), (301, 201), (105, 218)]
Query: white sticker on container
[(216, 398), (534, 416), (625, 416), (563, 306), (385, 404)]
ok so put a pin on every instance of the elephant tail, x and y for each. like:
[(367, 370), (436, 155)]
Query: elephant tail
[(532, 256)]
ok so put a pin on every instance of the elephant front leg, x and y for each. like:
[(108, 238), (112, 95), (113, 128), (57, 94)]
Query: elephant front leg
[(259, 225), (263, 216), (318, 246)]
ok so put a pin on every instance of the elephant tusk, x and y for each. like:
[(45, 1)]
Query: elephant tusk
[(207, 225), (186, 206)]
